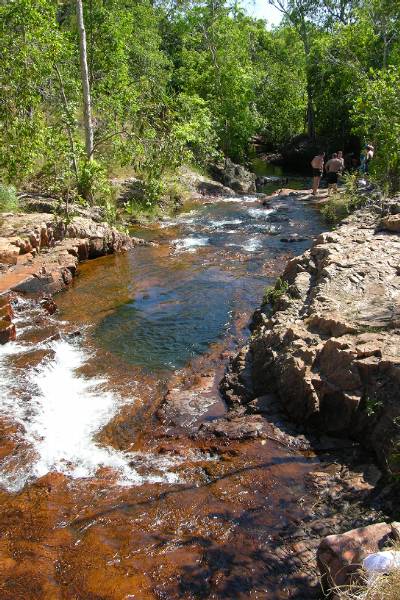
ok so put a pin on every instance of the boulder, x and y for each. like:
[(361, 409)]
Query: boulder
[(340, 557), (391, 223), (234, 176), (299, 151)]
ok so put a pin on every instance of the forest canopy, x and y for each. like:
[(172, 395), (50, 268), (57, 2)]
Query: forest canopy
[(174, 82)]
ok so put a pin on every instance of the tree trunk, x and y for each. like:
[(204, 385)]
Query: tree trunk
[(310, 113), (87, 107), (68, 121)]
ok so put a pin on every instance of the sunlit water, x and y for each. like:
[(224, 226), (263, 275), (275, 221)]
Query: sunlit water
[(150, 311)]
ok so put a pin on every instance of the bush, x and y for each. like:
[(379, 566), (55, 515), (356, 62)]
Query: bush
[(273, 294), (94, 185), (341, 205), (8, 199)]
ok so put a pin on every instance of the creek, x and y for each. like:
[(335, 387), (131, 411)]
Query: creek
[(104, 494)]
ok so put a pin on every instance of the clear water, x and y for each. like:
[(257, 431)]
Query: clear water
[(213, 269), (142, 316)]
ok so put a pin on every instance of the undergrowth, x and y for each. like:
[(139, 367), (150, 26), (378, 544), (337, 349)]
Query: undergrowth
[(342, 204), (273, 293), (8, 199)]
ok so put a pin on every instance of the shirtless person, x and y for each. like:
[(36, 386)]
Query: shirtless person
[(333, 167), (317, 164), (340, 157)]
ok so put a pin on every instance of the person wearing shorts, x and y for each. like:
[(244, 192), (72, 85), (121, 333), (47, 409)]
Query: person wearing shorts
[(317, 165), (333, 167)]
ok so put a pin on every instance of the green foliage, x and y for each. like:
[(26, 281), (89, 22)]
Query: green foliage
[(8, 199), (215, 63), (342, 204), (372, 405), (94, 185), (175, 83), (377, 115), (273, 294), (280, 93)]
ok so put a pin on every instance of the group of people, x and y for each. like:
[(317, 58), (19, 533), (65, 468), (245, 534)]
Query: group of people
[(335, 167)]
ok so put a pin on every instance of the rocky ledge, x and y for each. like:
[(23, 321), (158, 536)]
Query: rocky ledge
[(329, 347), (39, 254)]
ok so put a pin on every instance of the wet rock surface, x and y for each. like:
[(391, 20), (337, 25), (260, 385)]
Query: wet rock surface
[(7, 327), (331, 348), (41, 252)]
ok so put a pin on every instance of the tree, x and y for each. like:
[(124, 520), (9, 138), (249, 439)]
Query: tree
[(376, 115), (281, 89), (299, 13), (87, 104), (214, 59), (342, 11), (384, 16)]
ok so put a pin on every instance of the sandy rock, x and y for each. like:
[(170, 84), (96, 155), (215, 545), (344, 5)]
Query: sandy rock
[(391, 223), (331, 349), (339, 557), (9, 252), (43, 253)]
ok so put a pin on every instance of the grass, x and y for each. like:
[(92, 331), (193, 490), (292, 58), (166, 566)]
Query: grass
[(383, 587)]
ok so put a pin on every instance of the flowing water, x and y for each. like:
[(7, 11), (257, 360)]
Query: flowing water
[(104, 494)]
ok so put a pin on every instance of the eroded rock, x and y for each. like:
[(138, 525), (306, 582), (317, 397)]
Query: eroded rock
[(7, 327), (330, 350), (42, 252)]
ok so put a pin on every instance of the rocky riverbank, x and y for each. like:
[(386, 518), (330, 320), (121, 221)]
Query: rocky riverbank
[(39, 255), (325, 354), (329, 347)]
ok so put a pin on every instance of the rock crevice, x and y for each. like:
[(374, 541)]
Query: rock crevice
[(331, 348)]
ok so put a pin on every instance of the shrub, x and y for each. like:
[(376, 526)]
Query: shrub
[(341, 205), (273, 294), (94, 185), (8, 199)]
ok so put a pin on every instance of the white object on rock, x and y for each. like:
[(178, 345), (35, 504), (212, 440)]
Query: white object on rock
[(382, 562)]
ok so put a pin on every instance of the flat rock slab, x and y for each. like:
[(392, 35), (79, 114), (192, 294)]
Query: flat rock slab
[(42, 252)]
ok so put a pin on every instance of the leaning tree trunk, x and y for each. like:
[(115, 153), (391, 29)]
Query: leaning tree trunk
[(87, 106)]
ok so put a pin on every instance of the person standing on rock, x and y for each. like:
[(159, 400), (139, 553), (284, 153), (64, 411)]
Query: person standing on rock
[(366, 156), (340, 157), (333, 167), (317, 165)]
